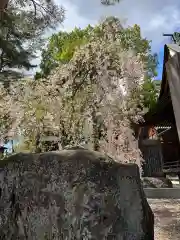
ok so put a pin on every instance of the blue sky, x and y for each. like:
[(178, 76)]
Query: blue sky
[(160, 66), (8, 146)]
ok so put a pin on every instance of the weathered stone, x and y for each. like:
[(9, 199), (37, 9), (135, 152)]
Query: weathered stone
[(161, 182), (73, 194)]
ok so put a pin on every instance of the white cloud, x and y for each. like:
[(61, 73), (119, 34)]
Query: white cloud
[(72, 17), (156, 22), (154, 17)]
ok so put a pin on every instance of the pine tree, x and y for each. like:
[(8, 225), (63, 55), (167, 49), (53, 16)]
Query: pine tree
[(22, 27)]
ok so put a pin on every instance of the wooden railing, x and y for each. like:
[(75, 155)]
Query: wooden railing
[(171, 167)]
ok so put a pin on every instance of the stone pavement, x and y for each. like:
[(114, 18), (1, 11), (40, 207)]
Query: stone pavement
[(167, 218)]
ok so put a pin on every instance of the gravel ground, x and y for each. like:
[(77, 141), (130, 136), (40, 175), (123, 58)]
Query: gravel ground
[(167, 218)]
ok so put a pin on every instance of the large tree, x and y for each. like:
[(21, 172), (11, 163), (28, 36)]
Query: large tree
[(62, 46), (94, 97)]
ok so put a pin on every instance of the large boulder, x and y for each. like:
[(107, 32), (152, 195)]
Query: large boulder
[(73, 194)]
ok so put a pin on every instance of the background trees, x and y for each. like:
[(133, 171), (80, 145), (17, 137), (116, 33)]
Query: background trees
[(21, 33), (92, 84), (93, 95), (23, 24), (61, 47)]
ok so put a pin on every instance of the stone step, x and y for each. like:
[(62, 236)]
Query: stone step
[(165, 193)]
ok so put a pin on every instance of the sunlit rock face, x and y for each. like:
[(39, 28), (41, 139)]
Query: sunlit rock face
[(73, 194)]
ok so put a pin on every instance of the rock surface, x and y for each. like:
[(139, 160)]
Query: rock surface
[(73, 194), (161, 182)]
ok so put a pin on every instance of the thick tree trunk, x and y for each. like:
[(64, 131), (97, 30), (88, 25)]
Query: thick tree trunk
[(37, 144), (3, 5)]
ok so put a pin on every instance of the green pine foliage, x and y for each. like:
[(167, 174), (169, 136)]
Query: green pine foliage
[(21, 32)]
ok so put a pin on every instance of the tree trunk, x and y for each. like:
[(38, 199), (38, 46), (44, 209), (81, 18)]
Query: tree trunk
[(95, 130), (37, 143), (3, 6)]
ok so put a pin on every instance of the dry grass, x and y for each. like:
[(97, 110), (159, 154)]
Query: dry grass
[(167, 218)]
